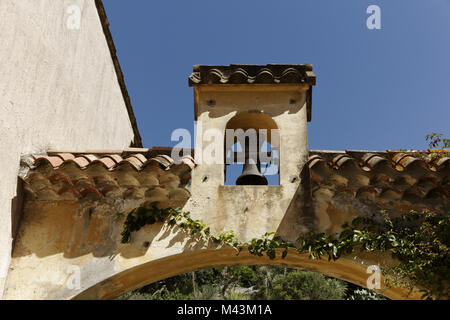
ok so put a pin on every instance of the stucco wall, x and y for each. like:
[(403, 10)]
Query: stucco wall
[(247, 208), (58, 90)]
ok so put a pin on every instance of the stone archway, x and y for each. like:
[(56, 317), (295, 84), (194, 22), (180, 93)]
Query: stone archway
[(346, 269)]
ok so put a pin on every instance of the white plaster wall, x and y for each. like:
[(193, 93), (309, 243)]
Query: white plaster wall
[(58, 90)]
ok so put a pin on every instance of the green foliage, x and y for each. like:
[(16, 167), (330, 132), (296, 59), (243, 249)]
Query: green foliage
[(364, 294), (245, 276), (438, 148), (436, 141), (207, 292), (237, 276), (178, 287), (244, 283), (233, 295), (269, 245), (419, 240), (149, 213), (162, 294), (303, 285)]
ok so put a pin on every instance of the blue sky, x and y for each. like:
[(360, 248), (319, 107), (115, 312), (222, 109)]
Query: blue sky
[(376, 89)]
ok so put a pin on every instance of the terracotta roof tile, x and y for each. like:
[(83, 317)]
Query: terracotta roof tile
[(66, 156), (140, 157), (82, 162), (367, 176), (442, 162), (115, 157), (92, 176), (107, 162), (381, 178), (134, 161), (55, 161)]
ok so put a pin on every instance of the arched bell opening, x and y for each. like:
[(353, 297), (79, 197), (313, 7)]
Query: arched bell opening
[(251, 146)]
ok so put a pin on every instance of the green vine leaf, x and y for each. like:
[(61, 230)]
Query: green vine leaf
[(420, 241)]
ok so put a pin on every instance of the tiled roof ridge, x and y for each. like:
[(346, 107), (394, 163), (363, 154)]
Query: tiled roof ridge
[(150, 152), (137, 158), (256, 74), (368, 160), (138, 171), (252, 74), (376, 179), (140, 157), (314, 151), (92, 177)]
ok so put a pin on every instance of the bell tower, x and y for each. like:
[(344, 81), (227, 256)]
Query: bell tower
[(253, 106)]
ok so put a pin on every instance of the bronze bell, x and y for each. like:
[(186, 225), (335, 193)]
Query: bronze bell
[(251, 170), (251, 175)]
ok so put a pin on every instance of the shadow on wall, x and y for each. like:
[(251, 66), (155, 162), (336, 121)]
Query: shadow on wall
[(291, 107), (17, 210), (77, 228)]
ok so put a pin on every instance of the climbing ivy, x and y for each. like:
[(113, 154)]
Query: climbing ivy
[(149, 213), (143, 215), (419, 240)]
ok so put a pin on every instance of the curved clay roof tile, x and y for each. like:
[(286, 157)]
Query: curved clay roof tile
[(343, 159), (81, 162), (264, 76), (89, 157), (214, 76), (442, 162), (189, 161), (373, 160), (66, 156), (140, 157), (55, 161), (291, 75), (107, 162), (115, 157), (239, 75)]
